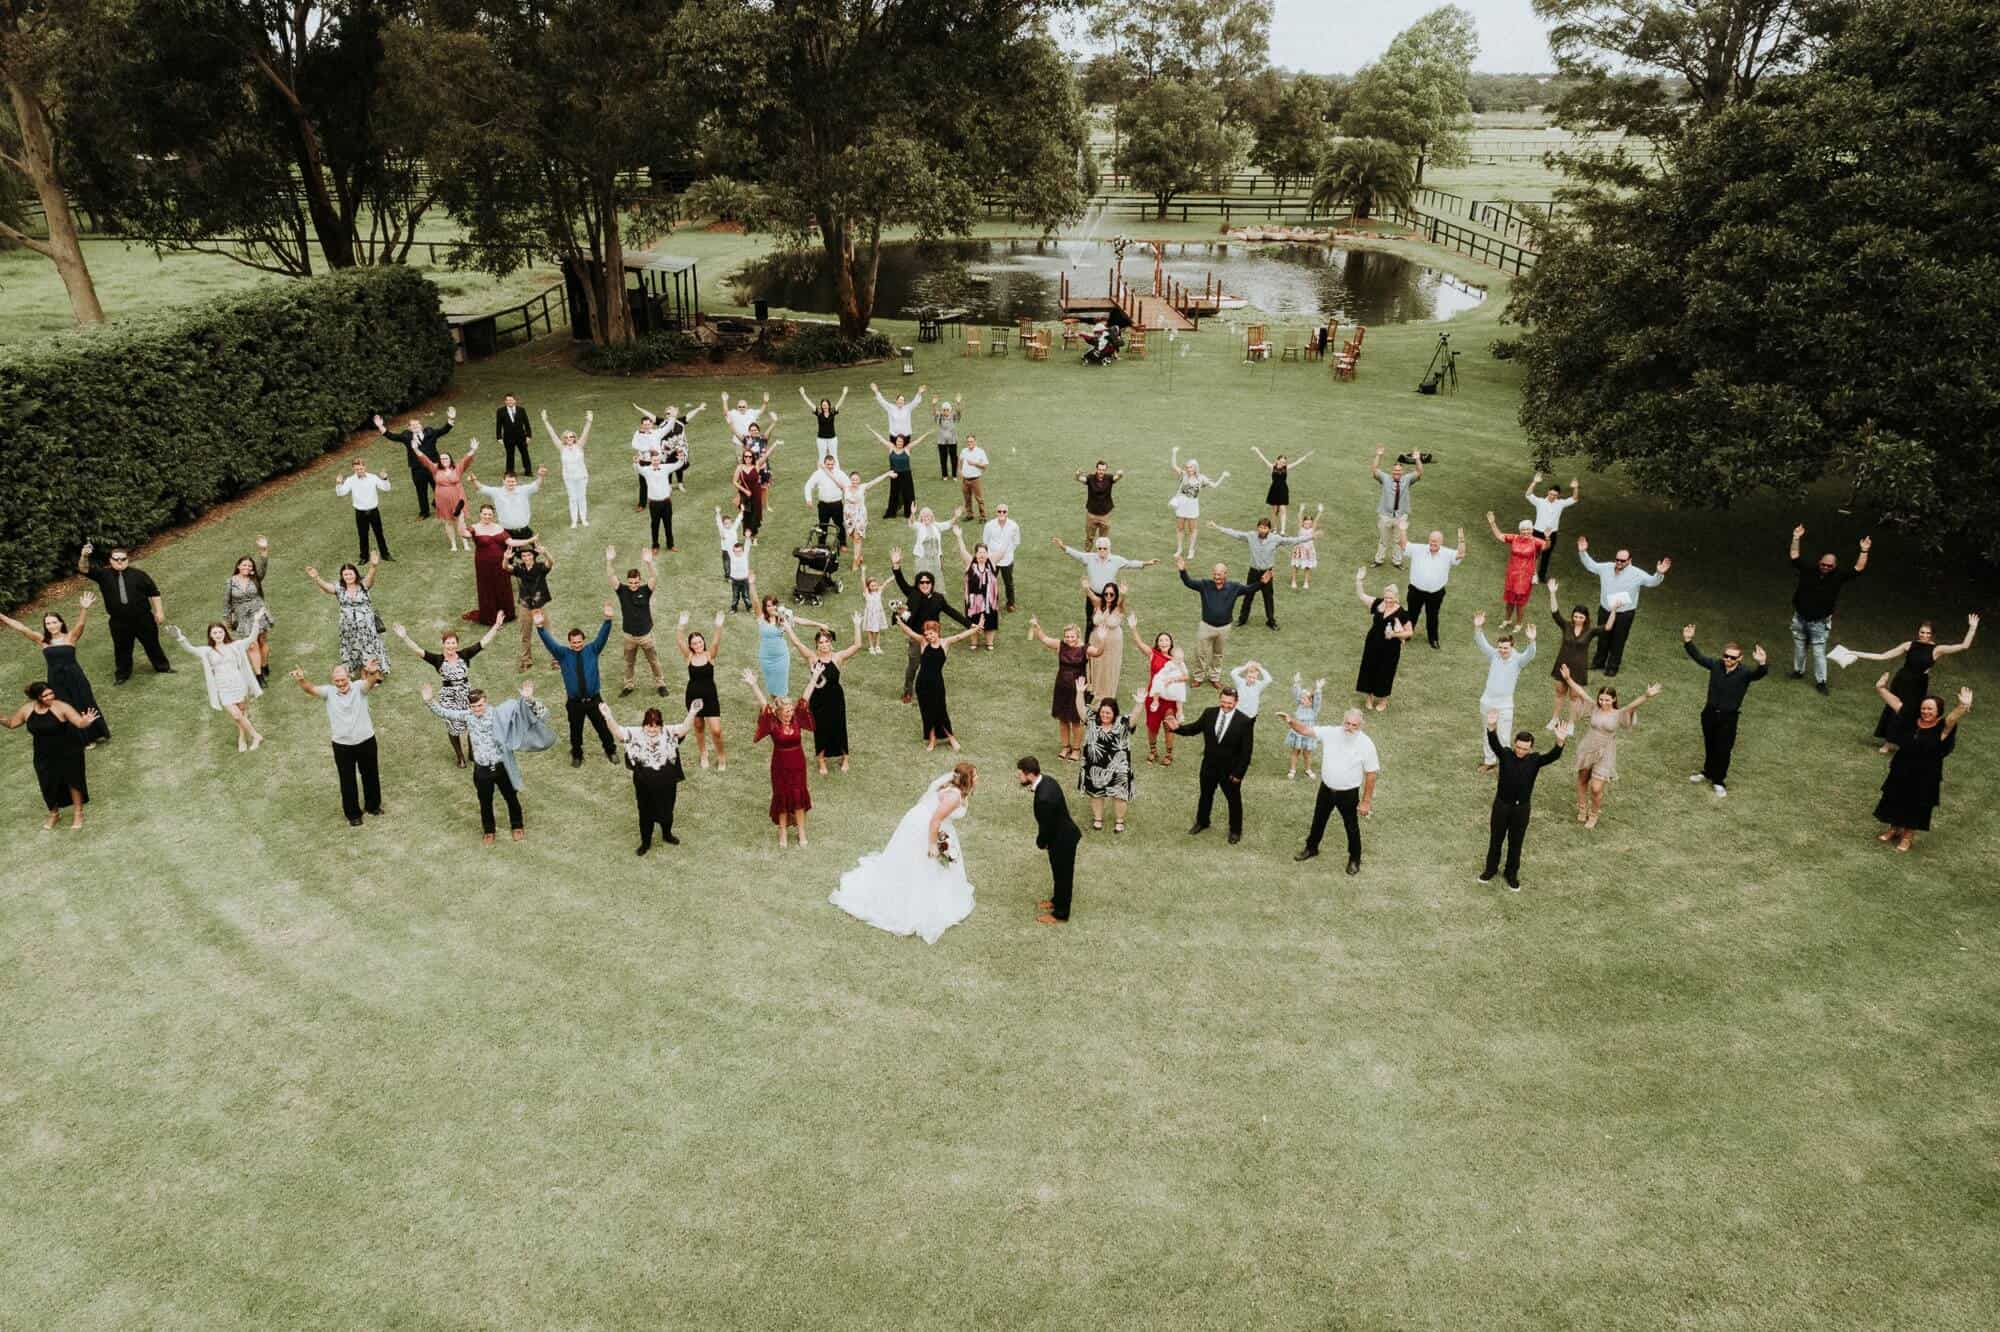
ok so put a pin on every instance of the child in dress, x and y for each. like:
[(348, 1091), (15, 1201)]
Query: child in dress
[(1304, 557), (1305, 708), (873, 619)]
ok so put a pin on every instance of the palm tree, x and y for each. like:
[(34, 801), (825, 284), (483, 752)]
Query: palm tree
[(1365, 172)]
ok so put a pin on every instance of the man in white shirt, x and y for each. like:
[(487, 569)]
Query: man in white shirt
[(645, 441), (1548, 517), (824, 488), (1394, 503), (1430, 570), (657, 476), (365, 489), (1002, 537), (1618, 585), (510, 503), (1503, 672), (972, 464), (353, 731), (742, 416), (1348, 767), (901, 412)]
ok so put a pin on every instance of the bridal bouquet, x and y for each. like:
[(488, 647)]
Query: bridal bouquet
[(944, 856)]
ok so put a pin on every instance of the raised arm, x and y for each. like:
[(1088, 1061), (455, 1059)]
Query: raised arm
[(1576, 691), (1630, 709), (604, 709), (312, 576), (1037, 635), (1300, 461), (402, 634), (694, 715), (1494, 527), (1889, 700), (1375, 465), (21, 629), (1260, 455), (1957, 714), (1360, 590), (1971, 629), (811, 406), (750, 678), (182, 639)]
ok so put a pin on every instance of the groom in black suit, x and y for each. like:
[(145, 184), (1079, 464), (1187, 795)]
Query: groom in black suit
[(1225, 757), (1055, 833)]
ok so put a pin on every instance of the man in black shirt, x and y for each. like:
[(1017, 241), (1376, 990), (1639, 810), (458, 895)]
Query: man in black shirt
[(132, 604), (923, 603), (1813, 602), (635, 617), (1728, 682), (1097, 501), (1519, 766)]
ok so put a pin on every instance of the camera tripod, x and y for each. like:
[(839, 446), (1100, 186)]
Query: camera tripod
[(1443, 367)]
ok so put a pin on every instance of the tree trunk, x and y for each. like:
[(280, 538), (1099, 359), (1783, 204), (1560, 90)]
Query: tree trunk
[(1364, 204), (838, 240), (1420, 163), (38, 161), (1161, 198), (617, 311)]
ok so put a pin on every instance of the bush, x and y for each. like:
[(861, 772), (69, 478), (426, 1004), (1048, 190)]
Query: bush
[(1504, 349), (817, 345), (641, 354), (117, 433), (723, 199)]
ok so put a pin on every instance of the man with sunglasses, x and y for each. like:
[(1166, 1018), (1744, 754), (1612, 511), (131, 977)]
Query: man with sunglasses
[(132, 604), (1728, 682)]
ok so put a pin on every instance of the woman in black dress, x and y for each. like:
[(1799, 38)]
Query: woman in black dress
[(58, 730), (932, 707), (1916, 774), (1913, 677), (58, 644), (1576, 636), (699, 654), (1279, 496), (1389, 626), (829, 705)]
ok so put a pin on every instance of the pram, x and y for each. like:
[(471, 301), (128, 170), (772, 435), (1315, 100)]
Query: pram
[(1103, 348), (819, 559)]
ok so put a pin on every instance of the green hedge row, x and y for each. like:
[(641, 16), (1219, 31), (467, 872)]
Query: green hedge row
[(819, 345), (121, 432)]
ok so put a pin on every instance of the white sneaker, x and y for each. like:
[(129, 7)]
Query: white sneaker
[(1696, 778), (1292, 775), (1720, 790)]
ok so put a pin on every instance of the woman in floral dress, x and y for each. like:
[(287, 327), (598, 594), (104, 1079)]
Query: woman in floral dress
[(454, 667), (360, 639), (1106, 773)]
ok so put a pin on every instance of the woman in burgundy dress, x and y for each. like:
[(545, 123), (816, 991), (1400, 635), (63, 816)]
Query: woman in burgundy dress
[(1072, 662), (786, 723), (750, 491), (489, 567)]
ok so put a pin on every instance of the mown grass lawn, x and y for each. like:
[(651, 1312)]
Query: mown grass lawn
[(1721, 1064)]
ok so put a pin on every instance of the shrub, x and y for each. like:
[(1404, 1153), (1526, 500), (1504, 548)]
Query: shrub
[(120, 432), (817, 345), (641, 354), (723, 199), (1504, 349)]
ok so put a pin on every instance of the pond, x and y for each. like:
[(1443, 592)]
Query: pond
[(998, 281)]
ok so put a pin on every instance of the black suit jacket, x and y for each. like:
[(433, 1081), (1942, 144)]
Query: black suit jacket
[(428, 446), (1053, 825), (1229, 756), (517, 431)]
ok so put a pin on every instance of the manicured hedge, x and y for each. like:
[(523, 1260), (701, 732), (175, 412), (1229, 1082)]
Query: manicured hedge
[(121, 432), (817, 345)]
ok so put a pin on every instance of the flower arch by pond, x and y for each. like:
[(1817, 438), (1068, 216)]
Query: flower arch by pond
[(1002, 280)]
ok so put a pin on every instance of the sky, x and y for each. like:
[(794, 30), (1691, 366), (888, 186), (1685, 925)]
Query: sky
[(1340, 36)]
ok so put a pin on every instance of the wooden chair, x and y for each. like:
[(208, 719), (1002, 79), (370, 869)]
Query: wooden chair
[(1070, 332), (998, 337), (972, 343), (1025, 327), (1315, 348), (1350, 355), (1135, 344), (1291, 348), (1035, 346), (1257, 345)]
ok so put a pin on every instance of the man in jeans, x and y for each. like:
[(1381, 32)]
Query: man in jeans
[(581, 683), (1264, 547), (635, 609), (1813, 602), (1348, 766), (1393, 508), (1218, 596)]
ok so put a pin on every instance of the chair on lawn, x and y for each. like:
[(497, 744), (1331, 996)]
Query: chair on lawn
[(972, 342), (1025, 327), (1135, 344), (1350, 355), (1316, 345), (1070, 332), (998, 337), (1291, 348), (1257, 343), (1035, 345)]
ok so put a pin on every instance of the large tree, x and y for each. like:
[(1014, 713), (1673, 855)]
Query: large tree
[(1716, 52), (882, 113), (37, 41), (1221, 45), (1172, 140), (1807, 289), (1291, 123), (1415, 94), (1363, 173)]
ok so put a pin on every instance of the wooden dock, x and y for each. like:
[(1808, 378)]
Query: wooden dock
[(1138, 309)]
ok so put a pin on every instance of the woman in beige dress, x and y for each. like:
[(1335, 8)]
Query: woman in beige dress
[(1597, 753)]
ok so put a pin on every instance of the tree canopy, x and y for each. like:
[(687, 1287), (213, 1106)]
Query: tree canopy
[(1806, 290), (1291, 123), (1415, 95), (1172, 139), (1363, 173)]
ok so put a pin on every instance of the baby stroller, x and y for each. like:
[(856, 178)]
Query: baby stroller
[(1103, 348), (818, 559)]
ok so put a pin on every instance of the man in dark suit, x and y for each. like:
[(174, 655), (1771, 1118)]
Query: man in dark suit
[(132, 605), (1056, 833), (510, 425), (1225, 757), (419, 440)]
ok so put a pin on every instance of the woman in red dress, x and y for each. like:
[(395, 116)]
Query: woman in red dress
[(1166, 690), (489, 567), (786, 723), (1524, 548)]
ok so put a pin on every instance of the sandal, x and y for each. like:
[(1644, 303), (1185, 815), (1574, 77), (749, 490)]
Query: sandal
[(1118, 827), (1153, 756), (1889, 836), (1904, 843), (1097, 825)]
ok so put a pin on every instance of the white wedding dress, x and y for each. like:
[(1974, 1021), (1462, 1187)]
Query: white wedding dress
[(901, 889)]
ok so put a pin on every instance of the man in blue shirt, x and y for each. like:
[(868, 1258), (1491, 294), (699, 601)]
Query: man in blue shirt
[(581, 684)]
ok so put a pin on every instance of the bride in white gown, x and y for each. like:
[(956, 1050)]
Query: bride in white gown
[(905, 888)]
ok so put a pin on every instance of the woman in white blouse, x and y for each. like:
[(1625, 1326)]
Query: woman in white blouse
[(231, 679), (652, 752)]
